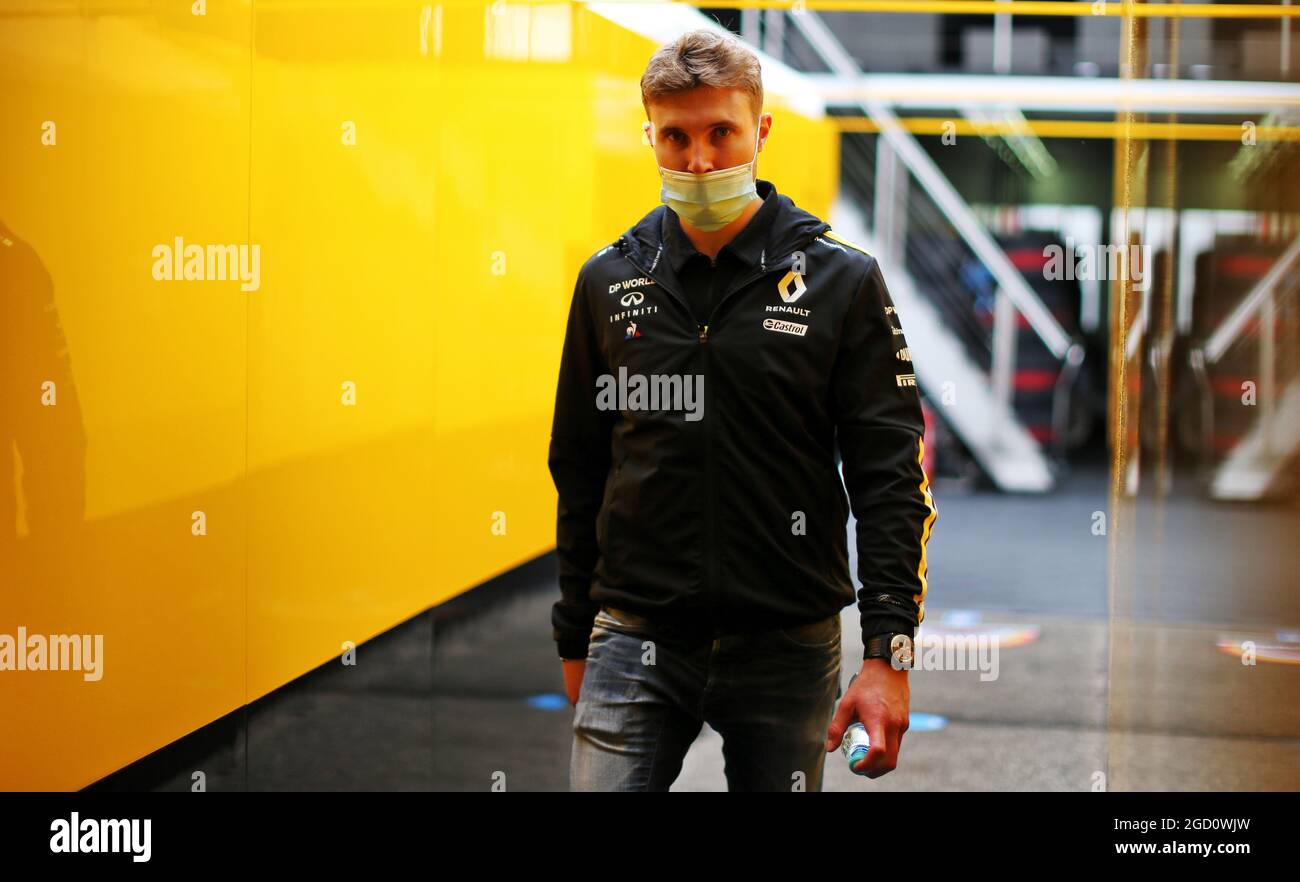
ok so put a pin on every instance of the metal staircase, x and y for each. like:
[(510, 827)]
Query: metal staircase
[(976, 401), (1252, 468), (951, 380)]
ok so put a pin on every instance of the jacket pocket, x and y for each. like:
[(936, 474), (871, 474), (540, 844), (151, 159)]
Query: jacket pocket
[(602, 517), (835, 549), (839, 501)]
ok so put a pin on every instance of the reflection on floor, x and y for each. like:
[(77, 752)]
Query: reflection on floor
[(465, 697)]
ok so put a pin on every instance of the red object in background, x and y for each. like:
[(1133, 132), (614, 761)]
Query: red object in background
[(927, 458), (1251, 266), (1027, 259), (1034, 380)]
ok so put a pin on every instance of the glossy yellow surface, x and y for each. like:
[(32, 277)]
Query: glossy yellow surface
[(420, 184)]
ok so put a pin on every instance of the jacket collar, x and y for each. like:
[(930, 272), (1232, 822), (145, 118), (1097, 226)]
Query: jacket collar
[(791, 228), (749, 245)]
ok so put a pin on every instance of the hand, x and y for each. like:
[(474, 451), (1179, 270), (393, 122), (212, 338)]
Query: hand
[(878, 697), (574, 669)]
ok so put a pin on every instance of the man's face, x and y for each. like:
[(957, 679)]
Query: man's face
[(705, 129)]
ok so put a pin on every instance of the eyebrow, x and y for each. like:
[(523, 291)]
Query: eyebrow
[(722, 122)]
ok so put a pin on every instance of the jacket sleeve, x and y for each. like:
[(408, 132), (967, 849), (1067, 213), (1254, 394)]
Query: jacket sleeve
[(579, 461), (881, 431)]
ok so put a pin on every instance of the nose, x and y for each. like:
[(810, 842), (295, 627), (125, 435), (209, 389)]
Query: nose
[(699, 163)]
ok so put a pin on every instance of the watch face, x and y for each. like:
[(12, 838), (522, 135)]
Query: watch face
[(901, 648)]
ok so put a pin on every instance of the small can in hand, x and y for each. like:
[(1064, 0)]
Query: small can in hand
[(855, 744)]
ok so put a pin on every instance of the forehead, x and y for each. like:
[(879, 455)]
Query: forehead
[(701, 107)]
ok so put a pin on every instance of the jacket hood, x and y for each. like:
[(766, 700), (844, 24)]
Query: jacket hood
[(792, 228)]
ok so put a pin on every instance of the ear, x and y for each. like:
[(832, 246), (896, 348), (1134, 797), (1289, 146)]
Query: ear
[(647, 133)]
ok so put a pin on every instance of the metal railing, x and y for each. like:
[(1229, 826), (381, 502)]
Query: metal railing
[(931, 229), (1250, 334)]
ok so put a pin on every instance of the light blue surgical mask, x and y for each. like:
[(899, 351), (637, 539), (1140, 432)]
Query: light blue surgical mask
[(711, 200)]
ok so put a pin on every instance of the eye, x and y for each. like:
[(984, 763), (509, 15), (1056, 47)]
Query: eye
[(675, 136), (724, 130)]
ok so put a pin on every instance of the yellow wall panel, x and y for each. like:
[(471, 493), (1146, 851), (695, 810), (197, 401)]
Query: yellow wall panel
[(421, 183), (147, 425)]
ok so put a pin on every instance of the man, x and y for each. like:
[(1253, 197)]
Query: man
[(715, 356)]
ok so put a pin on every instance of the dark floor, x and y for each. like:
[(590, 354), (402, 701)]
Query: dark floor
[(468, 696)]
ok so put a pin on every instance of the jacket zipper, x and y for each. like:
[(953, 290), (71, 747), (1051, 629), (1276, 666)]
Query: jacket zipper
[(712, 553), (702, 335), (702, 331)]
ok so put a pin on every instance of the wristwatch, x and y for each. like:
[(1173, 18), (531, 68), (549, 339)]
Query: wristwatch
[(892, 645)]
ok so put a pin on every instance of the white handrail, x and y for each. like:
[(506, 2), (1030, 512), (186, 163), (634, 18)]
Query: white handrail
[(1231, 327), (940, 189), (948, 92)]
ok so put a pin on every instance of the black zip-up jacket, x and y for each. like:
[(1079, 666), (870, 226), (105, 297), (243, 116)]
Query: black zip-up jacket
[(725, 512)]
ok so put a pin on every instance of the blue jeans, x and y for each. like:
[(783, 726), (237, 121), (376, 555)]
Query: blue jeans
[(770, 695)]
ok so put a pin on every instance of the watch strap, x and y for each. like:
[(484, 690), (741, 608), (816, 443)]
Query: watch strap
[(879, 645)]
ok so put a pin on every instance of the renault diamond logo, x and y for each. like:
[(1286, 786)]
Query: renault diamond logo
[(791, 287)]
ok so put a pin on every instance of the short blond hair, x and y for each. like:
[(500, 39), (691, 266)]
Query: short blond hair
[(703, 57)]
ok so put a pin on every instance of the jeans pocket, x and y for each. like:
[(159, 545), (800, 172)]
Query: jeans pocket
[(623, 622), (604, 623)]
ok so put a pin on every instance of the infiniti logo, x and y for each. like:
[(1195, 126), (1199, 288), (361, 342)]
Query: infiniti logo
[(632, 298)]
